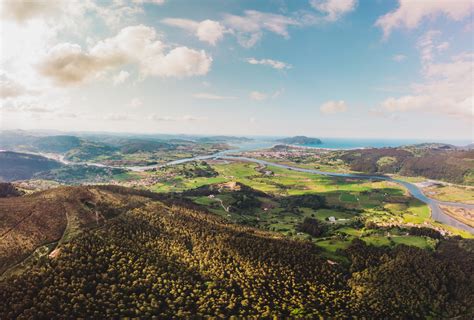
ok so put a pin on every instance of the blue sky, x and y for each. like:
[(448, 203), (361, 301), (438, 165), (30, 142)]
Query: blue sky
[(329, 68)]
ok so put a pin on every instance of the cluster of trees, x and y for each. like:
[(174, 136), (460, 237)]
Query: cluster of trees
[(449, 166), (77, 174), (312, 227), (440, 164), (9, 190), (312, 201), (171, 261), (413, 283), (367, 160), (196, 169), (175, 262)]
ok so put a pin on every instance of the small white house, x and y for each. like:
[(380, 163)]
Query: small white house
[(332, 219)]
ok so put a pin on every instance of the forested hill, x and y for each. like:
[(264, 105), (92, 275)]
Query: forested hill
[(446, 164), (18, 166), (128, 253), (300, 140)]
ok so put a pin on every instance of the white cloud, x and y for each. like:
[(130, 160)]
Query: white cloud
[(135, 103), (446, 88), (410, 13), (258, 96), (443, 46), (331, 107), (117, 117), (399, 57), (120, 77), (405, 103), (334, 9), (157, 2), (249, 27), (426, 45), (68, 64), (211, 96), (207, 31), (185, 118), (269, 62)]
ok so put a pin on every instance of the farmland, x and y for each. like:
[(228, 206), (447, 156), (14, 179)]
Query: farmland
[(380, 213)]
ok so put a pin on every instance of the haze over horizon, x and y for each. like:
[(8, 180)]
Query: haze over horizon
[(321, 68)]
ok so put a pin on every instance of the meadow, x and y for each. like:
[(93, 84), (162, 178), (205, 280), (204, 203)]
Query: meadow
[(358, 207)]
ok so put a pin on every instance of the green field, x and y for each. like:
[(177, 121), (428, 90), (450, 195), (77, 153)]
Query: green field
[(351, 201)]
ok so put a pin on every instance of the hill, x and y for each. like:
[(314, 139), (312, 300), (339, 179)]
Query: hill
[(139, 254), (9, 190), (138, 145), (33, 220), (57, 144), (300, 140), (20, 166), (434, 162)]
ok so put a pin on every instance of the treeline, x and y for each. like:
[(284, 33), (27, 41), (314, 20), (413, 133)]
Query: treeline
[(176, 262), (412, 283), (448, 165)]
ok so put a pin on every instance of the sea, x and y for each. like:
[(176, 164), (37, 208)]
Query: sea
[(348, 143)]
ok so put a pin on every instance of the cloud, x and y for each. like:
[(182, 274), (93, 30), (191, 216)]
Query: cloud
[(210, 96), (10, 88), (258, 96), (117, 117), (446, 88), (399, 57), (331, 107), (249, 27), (135, 103), (68, 63), (120, 77), (207, 31), (410, 13), (22, 10), (157, 2), (334, 9), (186, 118), (443, 46), (426, 45), (269, 62)]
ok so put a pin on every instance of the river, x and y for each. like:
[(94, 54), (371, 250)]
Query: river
[(436, 212)]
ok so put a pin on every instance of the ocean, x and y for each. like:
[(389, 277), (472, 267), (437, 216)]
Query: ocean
[(348, 143)]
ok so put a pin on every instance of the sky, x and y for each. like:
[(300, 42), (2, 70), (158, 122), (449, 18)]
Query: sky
[(322, 68)]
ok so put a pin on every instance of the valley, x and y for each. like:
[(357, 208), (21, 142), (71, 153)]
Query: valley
[(307, 198)]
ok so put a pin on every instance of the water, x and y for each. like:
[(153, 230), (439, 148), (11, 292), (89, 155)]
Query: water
[(436, 212), (345, 143)]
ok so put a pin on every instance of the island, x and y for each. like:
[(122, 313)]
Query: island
[(300, 140)]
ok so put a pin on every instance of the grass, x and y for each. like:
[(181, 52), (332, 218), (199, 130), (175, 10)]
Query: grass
[(333, 244), (420, 242), (451, 193), (382, 202), (348, 197), (322, 214)]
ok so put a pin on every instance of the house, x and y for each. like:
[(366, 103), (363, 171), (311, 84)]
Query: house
[(332, 219)]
